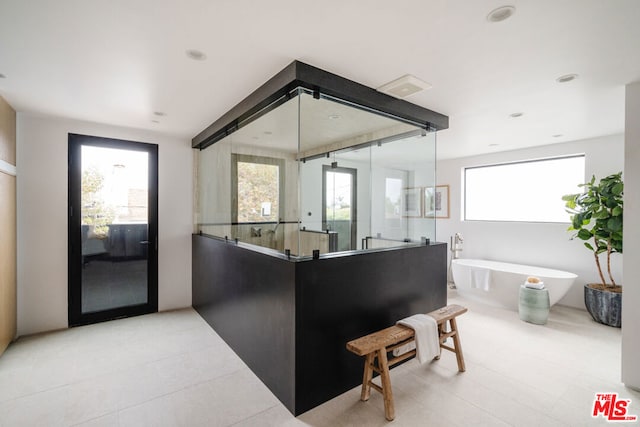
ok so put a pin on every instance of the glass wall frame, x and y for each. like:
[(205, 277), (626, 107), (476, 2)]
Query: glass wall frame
[(308, 134)]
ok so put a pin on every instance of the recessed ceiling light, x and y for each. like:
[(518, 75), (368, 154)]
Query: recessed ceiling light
[(196, 55), (2, 76), (493, 145), (514, 115), (404, 86), (334, 116), (557, 135), (501, 13), (566, 78)]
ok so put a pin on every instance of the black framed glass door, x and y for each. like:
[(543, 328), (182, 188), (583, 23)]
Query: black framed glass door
[(113, 229)]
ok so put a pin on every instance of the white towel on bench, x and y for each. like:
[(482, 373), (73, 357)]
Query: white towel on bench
[(426, 336)]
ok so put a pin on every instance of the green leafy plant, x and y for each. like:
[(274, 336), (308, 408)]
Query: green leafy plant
[(95, 212), (596, 218)]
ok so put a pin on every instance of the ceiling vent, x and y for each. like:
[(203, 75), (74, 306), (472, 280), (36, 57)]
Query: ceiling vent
[(404, 86)]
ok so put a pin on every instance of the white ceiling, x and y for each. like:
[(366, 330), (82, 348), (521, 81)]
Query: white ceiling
[(119, 61)]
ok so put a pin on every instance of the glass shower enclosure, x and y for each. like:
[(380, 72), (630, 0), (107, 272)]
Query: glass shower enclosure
[(316, 173)]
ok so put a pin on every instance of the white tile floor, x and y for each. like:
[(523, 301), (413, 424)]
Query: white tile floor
[(172, 369)]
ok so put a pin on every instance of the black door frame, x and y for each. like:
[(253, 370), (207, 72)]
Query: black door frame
[(76, 317), (354, 199)]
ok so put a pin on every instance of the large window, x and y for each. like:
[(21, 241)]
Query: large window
[(258, 184), (529, 191)]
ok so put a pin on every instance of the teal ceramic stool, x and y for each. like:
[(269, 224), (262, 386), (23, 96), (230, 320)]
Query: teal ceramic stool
[(534, 305)]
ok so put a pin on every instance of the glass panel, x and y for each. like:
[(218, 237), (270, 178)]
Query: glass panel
[(392, 163), (247, 182), (114, 228), (213, 213), (311, 205), (402, 171), (316, 174)]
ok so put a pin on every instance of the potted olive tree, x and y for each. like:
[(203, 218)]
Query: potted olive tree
[(596, 218)]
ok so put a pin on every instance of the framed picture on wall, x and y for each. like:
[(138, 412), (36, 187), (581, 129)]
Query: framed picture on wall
[(436, 201), (412, 202)]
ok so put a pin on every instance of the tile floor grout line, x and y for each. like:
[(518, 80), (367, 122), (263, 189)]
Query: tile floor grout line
[(94, 418), (523, 403), (34, 393), (253, 416), (497, 416), (490, 414), (502, 375), (178, 390)]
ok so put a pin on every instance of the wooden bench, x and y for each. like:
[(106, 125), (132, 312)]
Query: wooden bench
[(378, 344)]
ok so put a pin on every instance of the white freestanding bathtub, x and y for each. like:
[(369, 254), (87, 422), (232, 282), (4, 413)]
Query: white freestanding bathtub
[(498, 283)]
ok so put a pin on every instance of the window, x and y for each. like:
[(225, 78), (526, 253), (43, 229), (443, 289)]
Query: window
[(339, 204), (258, 183), (393, 198), (338, 195), (528, 191)]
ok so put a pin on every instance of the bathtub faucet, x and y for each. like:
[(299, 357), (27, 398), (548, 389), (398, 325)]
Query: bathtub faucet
[(456, 245)]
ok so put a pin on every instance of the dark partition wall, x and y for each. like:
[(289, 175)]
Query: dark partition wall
[(343, 298), (248, 298), (290, 320)]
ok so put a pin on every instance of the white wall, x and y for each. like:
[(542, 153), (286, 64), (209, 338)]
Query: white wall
[(631, 295), (540, 244), (42, 147)]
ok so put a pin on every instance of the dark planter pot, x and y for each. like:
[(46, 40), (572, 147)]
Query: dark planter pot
[(604, 306)]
